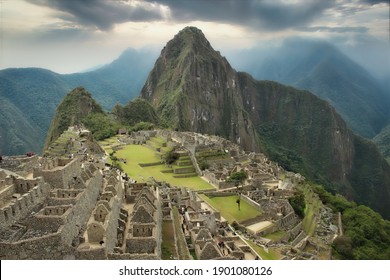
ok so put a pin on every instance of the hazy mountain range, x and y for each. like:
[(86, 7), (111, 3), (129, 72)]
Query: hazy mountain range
[(362, 99), (30, 95)]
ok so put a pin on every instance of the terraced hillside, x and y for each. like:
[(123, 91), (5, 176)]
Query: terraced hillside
[(141, 162)]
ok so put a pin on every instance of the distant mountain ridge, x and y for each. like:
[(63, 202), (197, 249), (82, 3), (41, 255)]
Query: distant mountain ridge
[(319, 67), (192, 87), (35, 93)]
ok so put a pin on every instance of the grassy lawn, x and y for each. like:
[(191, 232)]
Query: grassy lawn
[(109, 141), (135, 154), (312, 208), (271, 255), (227, 206), (275, 236), (157, 142), (168, 250)]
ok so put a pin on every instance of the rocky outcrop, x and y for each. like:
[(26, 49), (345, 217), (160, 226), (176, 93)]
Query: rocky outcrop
[(189, 85)]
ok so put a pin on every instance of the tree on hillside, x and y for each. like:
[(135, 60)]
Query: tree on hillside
[(237, 178), (170, 157), (297, 202)]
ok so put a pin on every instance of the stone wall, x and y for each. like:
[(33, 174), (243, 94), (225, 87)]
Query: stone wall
[(56, 245), (141, 245), (64, 197), (94, 253), (82, 209), (60, 176), (298, 239), (151, 164), (288, 220), (128, 256), (46, 223), (220, 194), (19, 164), (6, 193), (225, 185), (295, 231), (251, 202), (23, 205), (112, 223), (24, 185), (47, 247), (183, 170)]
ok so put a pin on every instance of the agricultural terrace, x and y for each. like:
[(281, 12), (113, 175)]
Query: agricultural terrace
[(132, 155), (228, 208), (313, 205), (265, 254)]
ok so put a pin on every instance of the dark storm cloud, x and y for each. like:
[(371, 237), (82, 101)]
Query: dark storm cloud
[(373, 2), (358, 29), (265, 14), (101, 13), (272, 15)]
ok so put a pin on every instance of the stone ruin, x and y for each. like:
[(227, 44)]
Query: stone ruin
[(73, 207)]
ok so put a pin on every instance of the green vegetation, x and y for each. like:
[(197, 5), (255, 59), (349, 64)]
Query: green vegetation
[(115, 161), (168, 249), (298, 203), (314, 141), (310, 155), (270, 255), (136, 154), (142, 126), (33, 94), (101, 125), (226, 205), (136, 111), (366, 233), (170, 157), (18, 133), (237, 177), (354, 93), (382, 140), (276, 236), (203, 165), (205, 156), (311, 211), (370, 177), (76, 106)]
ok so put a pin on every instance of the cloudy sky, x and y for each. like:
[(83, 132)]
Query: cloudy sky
[(72, 35)]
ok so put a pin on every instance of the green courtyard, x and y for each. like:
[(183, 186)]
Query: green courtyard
[(228, 208), (132, 155)]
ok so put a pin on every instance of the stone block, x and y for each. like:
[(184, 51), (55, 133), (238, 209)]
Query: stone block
[(2, 217)]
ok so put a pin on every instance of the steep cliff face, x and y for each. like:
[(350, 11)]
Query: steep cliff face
[(192, 87), (299, 130), (382, 140)]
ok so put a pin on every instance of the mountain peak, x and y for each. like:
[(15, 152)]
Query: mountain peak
[(188, 40), (191, 30), (76, 105)]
